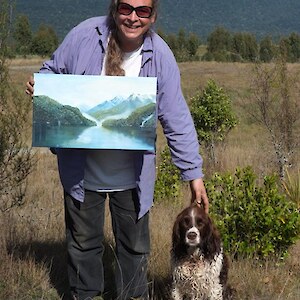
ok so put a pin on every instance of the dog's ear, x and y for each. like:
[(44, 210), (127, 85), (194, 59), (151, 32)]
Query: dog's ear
[(177, 243), (175, 233), (211, 240)]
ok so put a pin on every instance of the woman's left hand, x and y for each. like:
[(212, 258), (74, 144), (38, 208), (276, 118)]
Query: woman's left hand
[(199, 193), (30, 86)]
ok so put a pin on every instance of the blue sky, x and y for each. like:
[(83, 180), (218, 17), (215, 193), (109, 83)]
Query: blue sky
[(88, 90)]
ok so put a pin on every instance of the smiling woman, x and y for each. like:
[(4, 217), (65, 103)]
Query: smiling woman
[(128, 30), (121, 44)]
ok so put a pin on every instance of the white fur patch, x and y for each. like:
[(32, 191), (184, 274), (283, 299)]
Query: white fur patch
[(197, 278)]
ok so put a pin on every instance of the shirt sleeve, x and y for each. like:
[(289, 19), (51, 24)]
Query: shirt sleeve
[(177, 123)]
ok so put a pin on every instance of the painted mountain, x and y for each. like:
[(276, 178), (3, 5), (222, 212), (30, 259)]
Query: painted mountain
[(51, 112), (128, 107), (143, 117)]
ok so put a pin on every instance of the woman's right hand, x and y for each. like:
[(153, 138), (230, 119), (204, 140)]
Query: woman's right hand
[(30, 86)]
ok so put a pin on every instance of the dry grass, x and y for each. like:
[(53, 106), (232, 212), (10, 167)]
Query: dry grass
[(33, 264), (32, 250)]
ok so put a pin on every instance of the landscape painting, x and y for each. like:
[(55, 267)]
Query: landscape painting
[(94, 112)]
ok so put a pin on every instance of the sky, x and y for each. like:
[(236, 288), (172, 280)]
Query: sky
[(89, 90)]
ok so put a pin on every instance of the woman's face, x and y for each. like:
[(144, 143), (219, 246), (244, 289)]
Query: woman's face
[(132, 27)]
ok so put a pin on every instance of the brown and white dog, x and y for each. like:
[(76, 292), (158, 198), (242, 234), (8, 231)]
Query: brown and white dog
[(199, 265)]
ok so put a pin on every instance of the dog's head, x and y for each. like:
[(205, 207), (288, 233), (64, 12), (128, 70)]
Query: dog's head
[(193, 230)]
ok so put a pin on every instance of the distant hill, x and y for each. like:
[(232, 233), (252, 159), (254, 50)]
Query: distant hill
[(49, 111), (141, 117), (261, 17), (119, 105)]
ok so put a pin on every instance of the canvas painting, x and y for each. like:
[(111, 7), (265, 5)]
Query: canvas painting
[(94, 112)]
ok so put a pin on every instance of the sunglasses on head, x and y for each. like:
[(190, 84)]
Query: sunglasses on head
[(141, 11)]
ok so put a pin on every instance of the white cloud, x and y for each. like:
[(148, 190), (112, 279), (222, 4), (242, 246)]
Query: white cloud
[(77, 90)]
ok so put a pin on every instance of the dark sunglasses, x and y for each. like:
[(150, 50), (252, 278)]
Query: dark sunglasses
[(141, 11)]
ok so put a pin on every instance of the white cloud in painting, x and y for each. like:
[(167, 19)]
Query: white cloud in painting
[(88, 91)]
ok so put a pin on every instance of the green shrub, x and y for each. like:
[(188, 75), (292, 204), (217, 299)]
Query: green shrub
[(254, 220), (213, 117), (167, 185)]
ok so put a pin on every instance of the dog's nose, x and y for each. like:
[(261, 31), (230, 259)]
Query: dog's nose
[(191, 236)]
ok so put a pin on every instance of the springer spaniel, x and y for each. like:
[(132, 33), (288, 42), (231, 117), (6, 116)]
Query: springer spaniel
[(199, 265)]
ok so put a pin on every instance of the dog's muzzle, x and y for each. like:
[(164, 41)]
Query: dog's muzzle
[(192, 237)]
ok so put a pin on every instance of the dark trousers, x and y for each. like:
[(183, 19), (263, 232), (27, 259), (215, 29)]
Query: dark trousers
[(84, 234)]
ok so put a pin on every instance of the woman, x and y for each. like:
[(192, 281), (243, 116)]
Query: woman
[(121, 44)]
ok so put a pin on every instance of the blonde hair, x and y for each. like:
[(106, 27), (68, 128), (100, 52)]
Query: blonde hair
[(114, 54)]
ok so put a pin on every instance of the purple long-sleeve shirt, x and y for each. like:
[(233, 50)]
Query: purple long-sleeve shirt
[(82, 53)]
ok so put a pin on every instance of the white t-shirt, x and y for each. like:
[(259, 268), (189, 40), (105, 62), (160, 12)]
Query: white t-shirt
[(113, 170)]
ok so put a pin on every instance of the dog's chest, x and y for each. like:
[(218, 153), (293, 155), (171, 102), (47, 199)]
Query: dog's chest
[(199, 277)]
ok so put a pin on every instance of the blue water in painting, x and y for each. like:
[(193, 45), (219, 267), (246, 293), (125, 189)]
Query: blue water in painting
[(96, 137)]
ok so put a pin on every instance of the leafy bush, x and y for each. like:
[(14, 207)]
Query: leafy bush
[(213, 117), (167, 186), (254, 220)]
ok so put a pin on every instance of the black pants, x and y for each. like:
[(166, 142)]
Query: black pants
[(84, 234)]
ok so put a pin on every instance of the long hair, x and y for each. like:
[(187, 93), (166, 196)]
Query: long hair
[(114, 54)]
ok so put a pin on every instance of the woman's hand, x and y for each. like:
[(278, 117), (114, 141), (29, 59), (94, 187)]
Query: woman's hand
[(199, 193), (30, 86)]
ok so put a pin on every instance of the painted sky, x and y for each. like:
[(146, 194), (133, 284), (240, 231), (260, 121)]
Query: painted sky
[(88, 90)]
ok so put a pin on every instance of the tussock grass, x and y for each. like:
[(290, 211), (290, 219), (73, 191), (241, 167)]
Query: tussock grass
[(32, 249), (268, 280), (291, 186)]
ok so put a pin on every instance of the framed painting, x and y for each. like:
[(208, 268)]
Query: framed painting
[(94, 112)]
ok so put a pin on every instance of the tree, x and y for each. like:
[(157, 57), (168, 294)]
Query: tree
[(267, 49), (193, 43), (245, 45), (15, 157), (219, 40), (238, 44), (213, 117), (294, 41), (290, 47), (275, 105), (218, 44), (23, 35), (185, 48), (45, 41), (181, 52), (251, 47)]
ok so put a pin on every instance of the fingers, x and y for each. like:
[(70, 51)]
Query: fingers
[(199, 195), (203, 202), (30, 87)]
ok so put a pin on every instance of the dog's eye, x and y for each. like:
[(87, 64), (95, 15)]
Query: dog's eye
[(186, 221), (199, 222)]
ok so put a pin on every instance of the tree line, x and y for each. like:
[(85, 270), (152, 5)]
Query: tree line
[(220, 45), (225, 46)]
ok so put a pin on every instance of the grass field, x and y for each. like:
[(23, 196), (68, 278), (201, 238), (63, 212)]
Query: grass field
[(32, 250)]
